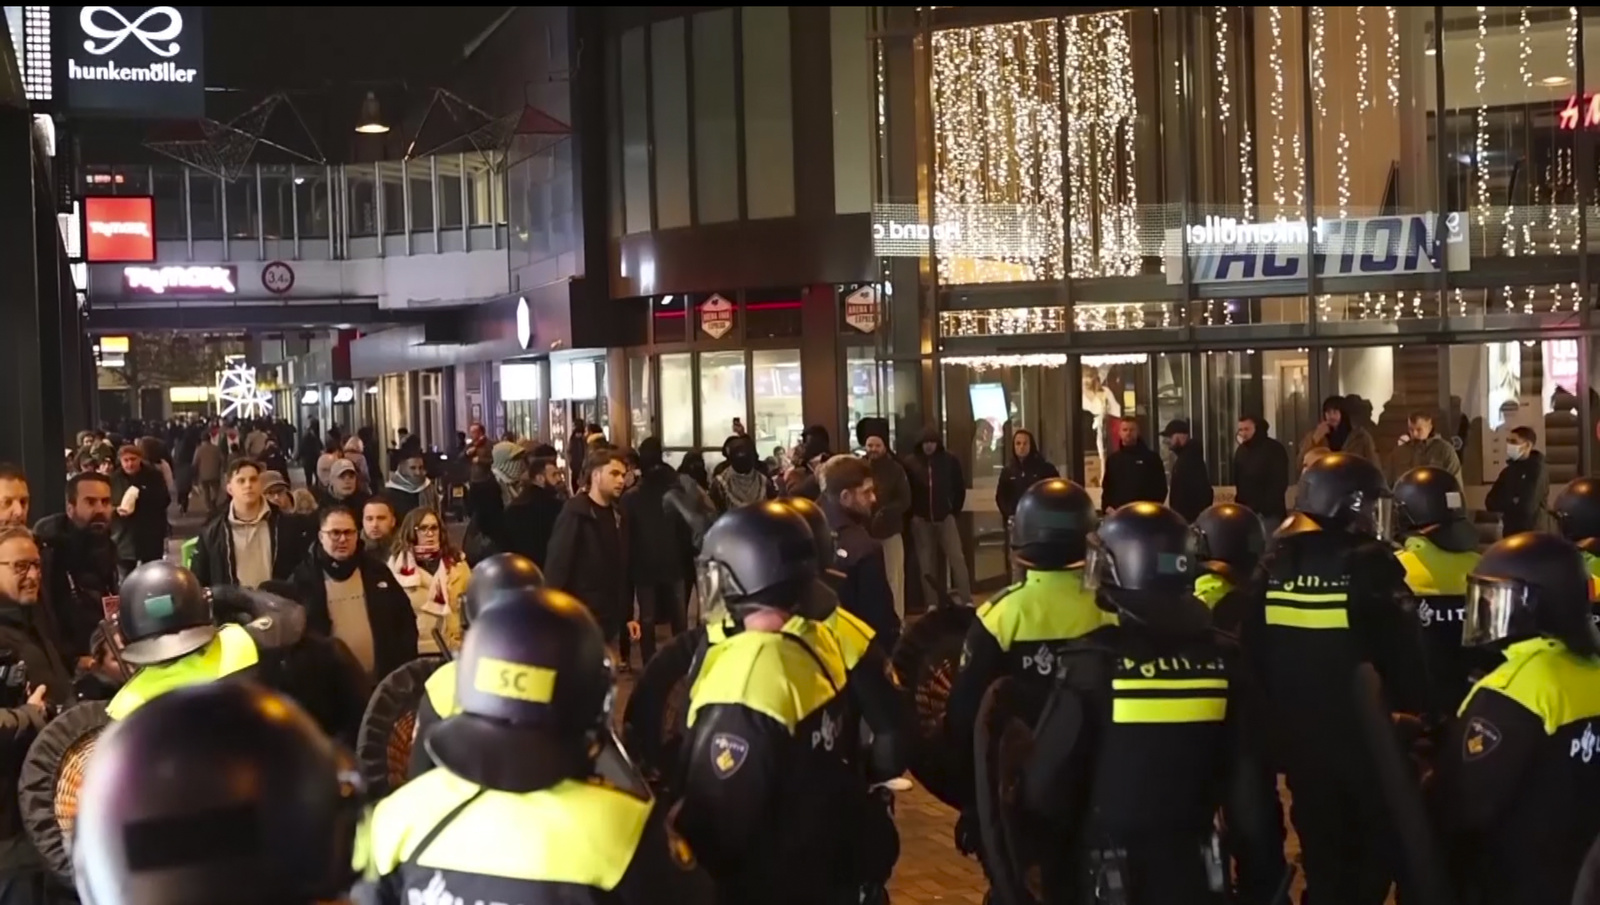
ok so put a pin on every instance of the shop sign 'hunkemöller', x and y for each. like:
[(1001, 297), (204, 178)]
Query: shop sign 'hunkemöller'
[(131, 60), (1225, 250)]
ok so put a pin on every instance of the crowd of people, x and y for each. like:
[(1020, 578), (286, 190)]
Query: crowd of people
[(1170, 671)]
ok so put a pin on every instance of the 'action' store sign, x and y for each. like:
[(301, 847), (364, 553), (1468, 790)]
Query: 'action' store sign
[(119, 229), (131, 60)]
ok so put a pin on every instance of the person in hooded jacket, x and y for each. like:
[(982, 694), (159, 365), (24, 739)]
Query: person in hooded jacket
[(1421, 446), (1339, 432), (80, 561), (1134, 473), (815, 448), (1261, 471), (408, 487), (656, 533), (1025, 467), (938, 494), (743, 481), (1191, 491)]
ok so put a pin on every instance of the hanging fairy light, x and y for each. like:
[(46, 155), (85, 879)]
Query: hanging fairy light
[(981, 363), (1275, 106), (1392, 55), (997, 130), (1101, 151), (1481, 144)]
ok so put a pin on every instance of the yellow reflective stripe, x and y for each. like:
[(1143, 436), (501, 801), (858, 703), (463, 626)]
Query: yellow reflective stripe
[(1299, 597), (1300, 617), (1169, 710), (1166, 684)]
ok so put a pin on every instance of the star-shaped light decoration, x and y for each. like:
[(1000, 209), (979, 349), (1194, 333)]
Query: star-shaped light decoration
[(236, 390)]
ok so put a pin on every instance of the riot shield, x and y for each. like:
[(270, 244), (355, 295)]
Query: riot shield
[(926, 661), (653, 718), (52, 773), (389, 726), (1002, 749), (1424, 878)]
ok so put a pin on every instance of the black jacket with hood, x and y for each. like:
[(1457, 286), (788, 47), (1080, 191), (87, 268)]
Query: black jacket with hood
[(938, 485), (591, 563), (291, 534), (80, 571), (657, 533), (1133, 474), (1261, 474), (27, 635), (1191, 491), (1019, 475)]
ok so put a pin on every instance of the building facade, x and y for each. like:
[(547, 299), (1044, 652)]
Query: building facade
[(1158, 213)]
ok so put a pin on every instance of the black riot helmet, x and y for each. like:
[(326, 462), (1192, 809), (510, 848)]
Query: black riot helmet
[(1051, 526), (1229, 541), (827, 546), (1530, 585), (1343, 491), (1141, 562), (763, 554), (534, 686), (500, 572), (1577, 511), (1426, 497), (224, 792), (163, 614)]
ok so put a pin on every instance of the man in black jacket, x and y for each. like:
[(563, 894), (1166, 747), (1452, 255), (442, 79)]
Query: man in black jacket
[(1191, 483), (40, 683), (530, 518), (1261, 472), (80, 561), (1133, 473), (139, 491), (355, 598), (589, 546), (656, 535), (938, 494), (249, 541), (847, 499), (1520, 494)]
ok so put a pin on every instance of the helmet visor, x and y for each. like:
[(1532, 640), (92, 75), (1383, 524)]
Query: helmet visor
[(716, 585), (1492, 607), (1372, 514)]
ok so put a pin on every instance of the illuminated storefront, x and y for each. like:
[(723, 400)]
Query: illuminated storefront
[(1154, 213)]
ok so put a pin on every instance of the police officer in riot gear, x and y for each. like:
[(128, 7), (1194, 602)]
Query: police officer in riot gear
[(1518, 778), (513, 813), (1163, 719), (1229, 541), (1577, 512), (1028, 626), (1438, 550), (170, 634), (770, 805), (223, 792), (490, 581), (1334, 599)]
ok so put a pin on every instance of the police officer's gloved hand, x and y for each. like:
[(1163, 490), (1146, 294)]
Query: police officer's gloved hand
[(967, 833), (285, 618)]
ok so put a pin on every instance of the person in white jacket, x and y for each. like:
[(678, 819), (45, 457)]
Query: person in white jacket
[(434, 575)]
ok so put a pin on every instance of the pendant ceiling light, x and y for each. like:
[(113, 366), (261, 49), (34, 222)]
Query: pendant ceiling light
[(370, 122)]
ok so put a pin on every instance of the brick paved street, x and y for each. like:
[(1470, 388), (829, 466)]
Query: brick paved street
[(930, 868)]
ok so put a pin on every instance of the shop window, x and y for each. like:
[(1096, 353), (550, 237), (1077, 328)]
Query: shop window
[(773, 313), (1273, 388), (722, 396), (276, 222), (243, 205), (768, 113), (677, 400), (449, 191), (635, 131), (311, 201), (716, 119), (854, 100), (1513, 112), (480, 188), (669, 111), (205, 205), (362, 200), (640, 404), (169, 203), (419, 173), (394, 203), (864, 387), (778, 417), (1501, 386)]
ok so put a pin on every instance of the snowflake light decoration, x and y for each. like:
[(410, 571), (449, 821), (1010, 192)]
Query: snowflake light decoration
[(236, 390)]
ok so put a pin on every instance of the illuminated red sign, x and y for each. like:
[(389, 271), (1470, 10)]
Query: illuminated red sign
[(119, 229), (1578, 108)]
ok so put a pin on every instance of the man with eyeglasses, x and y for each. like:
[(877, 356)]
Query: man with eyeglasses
[(355, 598), (34, 683)]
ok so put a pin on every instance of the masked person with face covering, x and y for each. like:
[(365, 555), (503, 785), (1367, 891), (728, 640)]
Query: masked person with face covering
[(741, 483), (80, 561)]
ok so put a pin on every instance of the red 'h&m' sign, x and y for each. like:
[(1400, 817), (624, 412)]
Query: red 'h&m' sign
[(1579, 108)]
